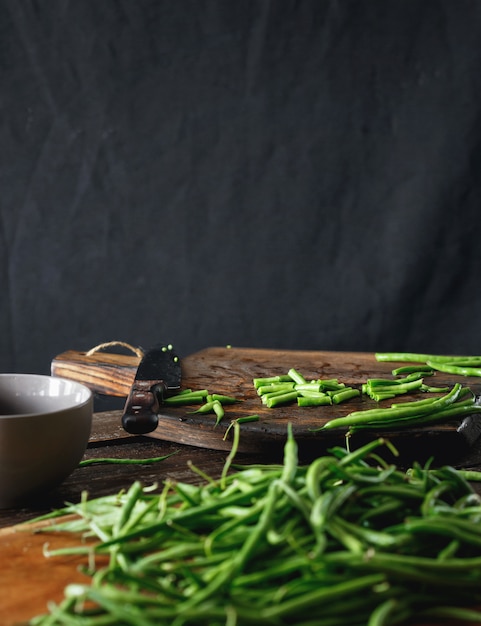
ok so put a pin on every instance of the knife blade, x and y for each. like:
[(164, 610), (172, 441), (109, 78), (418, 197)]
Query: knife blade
[(158, 375), (470, 427)]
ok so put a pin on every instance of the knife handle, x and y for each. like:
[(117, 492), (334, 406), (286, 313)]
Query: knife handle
[(142, 406)]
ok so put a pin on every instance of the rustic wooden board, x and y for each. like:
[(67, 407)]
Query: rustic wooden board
[(231, 371), (104, 372), (29, 580)]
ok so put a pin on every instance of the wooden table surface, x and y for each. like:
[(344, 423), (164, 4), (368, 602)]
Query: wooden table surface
[(19, 575)]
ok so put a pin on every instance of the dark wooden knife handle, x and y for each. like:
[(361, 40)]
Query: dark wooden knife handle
[(140, 424), (142, 406)]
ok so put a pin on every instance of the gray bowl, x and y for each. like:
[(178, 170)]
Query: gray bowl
[(45, 425)]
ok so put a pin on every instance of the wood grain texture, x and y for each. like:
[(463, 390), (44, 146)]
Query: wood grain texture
[(29, 580), (104, 372)]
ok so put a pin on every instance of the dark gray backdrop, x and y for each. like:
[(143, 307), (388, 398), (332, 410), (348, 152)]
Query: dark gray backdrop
[(293, 174)]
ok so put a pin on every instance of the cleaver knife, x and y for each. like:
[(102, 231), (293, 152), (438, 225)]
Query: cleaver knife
[(158, 376)]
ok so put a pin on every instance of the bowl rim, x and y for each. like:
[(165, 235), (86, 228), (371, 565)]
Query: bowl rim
[(74, 383)]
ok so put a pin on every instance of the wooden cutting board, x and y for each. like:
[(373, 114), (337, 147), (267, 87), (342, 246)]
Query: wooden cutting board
[(231, 371), (28, 580)]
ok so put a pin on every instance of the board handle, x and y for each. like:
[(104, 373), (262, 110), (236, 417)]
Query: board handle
[(103, 372)]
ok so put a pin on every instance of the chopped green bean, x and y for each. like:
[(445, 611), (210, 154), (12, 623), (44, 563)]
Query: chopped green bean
[(207, 407), (330, 383), (274, 387), (219, 411), (283, 398), (284, 378), (314, 400), (225, 399), (381, 388), (430, 389), (296, 376), (345, 394), (274, 394), (314, 386), (280, 390), (414, 376)]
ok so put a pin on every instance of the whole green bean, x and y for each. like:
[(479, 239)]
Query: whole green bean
[(343, 590), (380, 415), (456, 410), (424, 358), (453, 368), (114, 461)]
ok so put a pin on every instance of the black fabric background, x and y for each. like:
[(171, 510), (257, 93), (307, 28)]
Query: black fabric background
[(292, 174)]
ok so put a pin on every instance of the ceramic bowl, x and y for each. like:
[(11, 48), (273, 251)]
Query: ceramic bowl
[(45, 425)]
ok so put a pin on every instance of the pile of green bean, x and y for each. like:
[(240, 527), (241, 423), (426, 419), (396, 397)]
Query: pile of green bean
[(293, 386), (384, 388), (347, 540)]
